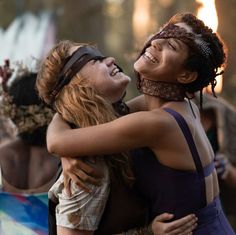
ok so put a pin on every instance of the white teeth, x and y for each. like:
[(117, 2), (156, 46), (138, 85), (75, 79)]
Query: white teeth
[(150, 57), (115, 71)]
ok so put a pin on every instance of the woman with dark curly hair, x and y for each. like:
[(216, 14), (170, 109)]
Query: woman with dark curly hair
[(27, 169), (175, 168)]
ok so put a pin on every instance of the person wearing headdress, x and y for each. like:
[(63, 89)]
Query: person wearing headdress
[(218, 118), (27, 169)]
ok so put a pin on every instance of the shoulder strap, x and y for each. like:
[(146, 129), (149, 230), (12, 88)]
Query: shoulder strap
[(189, 138)]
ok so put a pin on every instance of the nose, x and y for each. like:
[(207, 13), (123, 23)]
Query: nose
[(109, 61), (156, 43)]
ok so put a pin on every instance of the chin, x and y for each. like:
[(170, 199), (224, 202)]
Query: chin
[(136, 66), (124, 82), (139, 65)]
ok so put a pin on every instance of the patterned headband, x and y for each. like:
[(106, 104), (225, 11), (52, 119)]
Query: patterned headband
[(191, 39)]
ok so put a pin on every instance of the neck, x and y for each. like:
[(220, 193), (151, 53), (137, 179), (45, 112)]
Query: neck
[(165, 91), (154, 102)]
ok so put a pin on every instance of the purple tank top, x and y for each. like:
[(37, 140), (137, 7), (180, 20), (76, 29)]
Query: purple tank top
[(167, 189)]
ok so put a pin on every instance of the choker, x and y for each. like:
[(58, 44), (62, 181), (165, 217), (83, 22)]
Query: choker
[(164, 90)]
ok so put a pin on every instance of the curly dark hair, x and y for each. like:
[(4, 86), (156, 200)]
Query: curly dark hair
[(207, 68)]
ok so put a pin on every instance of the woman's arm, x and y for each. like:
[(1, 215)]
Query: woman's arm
[(81, 173), (161, 226), (125, 133), (137, 104)]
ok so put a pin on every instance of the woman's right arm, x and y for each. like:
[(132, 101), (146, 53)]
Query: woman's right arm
[(120, 135)]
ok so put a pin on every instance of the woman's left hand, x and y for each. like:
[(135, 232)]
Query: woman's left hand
[(80, 173), (182, 226)]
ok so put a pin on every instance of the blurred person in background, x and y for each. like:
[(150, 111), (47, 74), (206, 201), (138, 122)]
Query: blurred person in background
[(218, 118), (27, 170)]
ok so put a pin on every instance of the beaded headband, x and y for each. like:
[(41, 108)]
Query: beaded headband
[(73, 65)]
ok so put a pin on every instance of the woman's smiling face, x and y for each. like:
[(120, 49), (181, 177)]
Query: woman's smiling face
[(164, 59), (106, 78)]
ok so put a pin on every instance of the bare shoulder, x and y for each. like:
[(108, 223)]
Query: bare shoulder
[(164, 119)]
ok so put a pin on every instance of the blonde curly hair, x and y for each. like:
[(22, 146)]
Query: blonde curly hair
[(78, 102)]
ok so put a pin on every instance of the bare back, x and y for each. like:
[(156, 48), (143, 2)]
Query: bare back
[(171, 149), (27, 168)]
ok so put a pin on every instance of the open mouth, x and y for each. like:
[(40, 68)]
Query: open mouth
[(147, 55), (115, 71)]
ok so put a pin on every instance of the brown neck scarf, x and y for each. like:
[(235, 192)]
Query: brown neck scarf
[(164, 90)]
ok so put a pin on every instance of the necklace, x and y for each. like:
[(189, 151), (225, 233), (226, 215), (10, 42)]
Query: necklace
[(164, 90)]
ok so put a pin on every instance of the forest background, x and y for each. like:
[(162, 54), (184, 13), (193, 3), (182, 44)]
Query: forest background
[(120, 27)]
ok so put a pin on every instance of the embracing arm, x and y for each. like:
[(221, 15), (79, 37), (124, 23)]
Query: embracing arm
[(161, 226), (137, 104), (125, 133)]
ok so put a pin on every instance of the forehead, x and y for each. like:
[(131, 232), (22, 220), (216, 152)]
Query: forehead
[(179, 31)]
